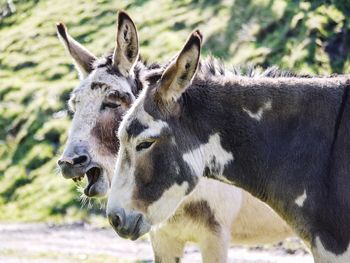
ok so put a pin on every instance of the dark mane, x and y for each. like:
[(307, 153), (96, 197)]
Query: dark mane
[(212, 67), (208, 69)]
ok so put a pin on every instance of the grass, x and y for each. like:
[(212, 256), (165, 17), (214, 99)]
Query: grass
[(37, 75)]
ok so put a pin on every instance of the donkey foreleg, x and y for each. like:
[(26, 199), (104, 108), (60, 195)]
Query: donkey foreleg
[(214, 246), (166, 248)]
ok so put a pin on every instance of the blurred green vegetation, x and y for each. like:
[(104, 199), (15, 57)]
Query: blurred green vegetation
[(36, 75)]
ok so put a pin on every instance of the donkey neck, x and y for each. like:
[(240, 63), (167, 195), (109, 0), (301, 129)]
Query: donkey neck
[(270, 136)]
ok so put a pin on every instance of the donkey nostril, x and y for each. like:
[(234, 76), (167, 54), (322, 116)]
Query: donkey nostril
[(64, 161), (116, 220), (80, 159)]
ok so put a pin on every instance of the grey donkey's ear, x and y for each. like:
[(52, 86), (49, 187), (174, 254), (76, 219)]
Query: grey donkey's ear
[(178, 75), (126, 51), (83, 58)]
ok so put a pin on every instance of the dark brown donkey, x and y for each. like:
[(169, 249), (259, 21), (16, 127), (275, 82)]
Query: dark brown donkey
[(286, 140)]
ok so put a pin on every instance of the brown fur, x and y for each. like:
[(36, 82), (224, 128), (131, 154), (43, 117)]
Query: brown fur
[(143, 178), (105, 132), (123, 97), (201, 211)]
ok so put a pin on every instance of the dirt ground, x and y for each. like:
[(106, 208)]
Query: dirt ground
[(43, 243)]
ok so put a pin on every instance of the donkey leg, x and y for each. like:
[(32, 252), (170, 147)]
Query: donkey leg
[(322, 255), (214, 246), (166, 248)]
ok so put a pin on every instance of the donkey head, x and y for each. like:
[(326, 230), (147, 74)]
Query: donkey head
[(151, 175), (106, 91)]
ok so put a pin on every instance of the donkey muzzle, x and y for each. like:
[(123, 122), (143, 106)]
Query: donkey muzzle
[(74, 163), (129, 225)]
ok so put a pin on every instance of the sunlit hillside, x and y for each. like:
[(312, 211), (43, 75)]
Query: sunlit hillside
[(36, 75)]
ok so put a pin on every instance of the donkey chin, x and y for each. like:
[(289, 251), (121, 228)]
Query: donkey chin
[(98, 183)]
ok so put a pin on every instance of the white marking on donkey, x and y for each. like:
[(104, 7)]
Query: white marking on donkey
[(203, 157), (259, 114), (301, 199), (157, 126), (158, 209)]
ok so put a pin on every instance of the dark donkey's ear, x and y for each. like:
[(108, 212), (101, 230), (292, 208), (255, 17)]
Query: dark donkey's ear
[(126, 51), (179, 74), (83, 58)]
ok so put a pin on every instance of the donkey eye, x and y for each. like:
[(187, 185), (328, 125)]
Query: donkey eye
[(109, 105), (144, 145)]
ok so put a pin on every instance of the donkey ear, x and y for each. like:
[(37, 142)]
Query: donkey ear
[(83, 58), (179, 74), (126, 51)]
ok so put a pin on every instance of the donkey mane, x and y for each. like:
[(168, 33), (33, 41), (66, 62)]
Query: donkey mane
[(212, 67), (209, 69)]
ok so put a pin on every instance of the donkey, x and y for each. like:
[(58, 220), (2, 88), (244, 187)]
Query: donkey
[(108, 88), (285, 140)]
